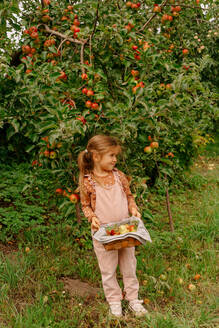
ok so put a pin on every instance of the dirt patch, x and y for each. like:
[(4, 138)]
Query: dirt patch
[(8, 248), (79, 288)]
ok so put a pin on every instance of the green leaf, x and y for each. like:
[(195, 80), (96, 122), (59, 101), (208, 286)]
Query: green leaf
[(167, 161), (48, 126), (54, 75)]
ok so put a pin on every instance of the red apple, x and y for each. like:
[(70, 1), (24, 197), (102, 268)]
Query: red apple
[(84, 76), (140, 84), (45, 11), (82, 119), (70, 8), (46, 18), (177, 9), (75, 29), (46, 138), (33, 29), (90, 93), (154, 144), (134, 73), (157, 8), (46, 2), (197, 276), (95, 105), (186, 67), (137, 57), (84, 91), (28, 71), (134, 89), (74, 198), (26, 49), (148, 149), (53, 62), (88, 104), (185, 51), (164, 18), (62, 76), (46, 153), (131, 227), (59, 191), (63, 18), (135, 5), (33, 50), (76, 22), (34, 35)]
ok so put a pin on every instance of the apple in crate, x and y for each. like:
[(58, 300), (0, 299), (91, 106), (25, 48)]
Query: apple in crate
[(123, 228), (111, 232), (132, 228)]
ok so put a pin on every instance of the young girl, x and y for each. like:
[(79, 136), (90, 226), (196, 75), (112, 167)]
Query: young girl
[(105, 198)]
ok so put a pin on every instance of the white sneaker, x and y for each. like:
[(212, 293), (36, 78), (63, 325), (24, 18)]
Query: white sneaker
[(137, 308), (116, 309)]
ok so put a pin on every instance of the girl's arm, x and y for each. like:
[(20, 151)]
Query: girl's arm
[(133, 209), (85, 197)]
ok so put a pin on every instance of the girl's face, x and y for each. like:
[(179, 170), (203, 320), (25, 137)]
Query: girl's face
[(107, 161)]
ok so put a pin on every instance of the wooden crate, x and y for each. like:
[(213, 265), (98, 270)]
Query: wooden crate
[(117, 244)]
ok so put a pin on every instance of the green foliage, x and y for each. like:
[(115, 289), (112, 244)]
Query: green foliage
[(34, 281), (31, 210), (172, 98)]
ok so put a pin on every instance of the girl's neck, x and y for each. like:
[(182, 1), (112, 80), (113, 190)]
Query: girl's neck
[(101, 173)]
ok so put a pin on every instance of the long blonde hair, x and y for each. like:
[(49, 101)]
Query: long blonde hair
[(100, 144)]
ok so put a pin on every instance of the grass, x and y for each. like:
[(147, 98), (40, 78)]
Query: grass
[(32, 289)]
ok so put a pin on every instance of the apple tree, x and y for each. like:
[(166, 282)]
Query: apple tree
[(143, 71)]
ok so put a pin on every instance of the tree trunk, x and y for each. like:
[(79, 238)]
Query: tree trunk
[(169, 210), (78, 213)]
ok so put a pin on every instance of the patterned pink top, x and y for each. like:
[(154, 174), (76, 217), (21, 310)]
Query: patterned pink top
[(88, 196)]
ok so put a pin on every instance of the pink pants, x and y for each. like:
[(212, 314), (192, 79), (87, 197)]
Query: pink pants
[(108, 262)]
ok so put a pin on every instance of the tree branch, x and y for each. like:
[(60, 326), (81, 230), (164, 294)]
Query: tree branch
[(168, 207), (61, 43), (90, 47), (82, 57), (97, 16), (67, 38), (169, 210), (63, 36), (154, 15)]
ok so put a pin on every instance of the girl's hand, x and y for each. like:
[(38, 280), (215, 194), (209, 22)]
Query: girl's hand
[(95, 223), (134, 212)]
